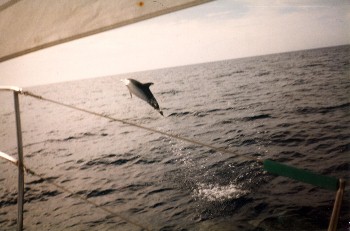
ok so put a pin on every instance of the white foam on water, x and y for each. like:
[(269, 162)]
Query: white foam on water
[(213, 192)]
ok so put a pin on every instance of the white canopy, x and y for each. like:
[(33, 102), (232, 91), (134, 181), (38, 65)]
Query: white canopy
[(30, 25)]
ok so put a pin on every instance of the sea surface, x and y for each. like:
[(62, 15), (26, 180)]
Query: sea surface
[(293, 108)]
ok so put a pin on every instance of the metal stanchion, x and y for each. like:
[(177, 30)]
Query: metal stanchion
[(20, 200)]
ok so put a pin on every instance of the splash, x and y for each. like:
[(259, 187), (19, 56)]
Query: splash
[(213, 192)]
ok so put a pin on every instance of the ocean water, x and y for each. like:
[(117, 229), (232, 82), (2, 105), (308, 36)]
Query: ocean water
[(290, 107)]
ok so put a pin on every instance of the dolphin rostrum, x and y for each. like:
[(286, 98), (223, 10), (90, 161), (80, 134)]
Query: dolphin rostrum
[(142, 91)]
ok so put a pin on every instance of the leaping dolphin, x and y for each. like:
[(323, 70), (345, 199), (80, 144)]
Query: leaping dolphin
[(142, 91)]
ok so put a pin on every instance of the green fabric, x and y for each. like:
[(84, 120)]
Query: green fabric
[(326, 182)]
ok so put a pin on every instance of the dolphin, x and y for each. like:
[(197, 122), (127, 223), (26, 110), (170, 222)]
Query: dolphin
[(142, 91)]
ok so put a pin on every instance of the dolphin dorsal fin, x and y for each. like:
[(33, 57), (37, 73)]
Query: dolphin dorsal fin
[(147, 84)]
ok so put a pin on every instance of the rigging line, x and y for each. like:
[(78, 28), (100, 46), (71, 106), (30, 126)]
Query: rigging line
[(113, 214), (175, 136)]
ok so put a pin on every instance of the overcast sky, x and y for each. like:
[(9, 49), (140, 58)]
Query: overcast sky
[(219, 30)]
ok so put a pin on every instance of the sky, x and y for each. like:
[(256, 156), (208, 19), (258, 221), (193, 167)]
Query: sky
[(219, 30)]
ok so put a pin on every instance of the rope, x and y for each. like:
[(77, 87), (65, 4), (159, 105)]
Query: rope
[(175, 136)]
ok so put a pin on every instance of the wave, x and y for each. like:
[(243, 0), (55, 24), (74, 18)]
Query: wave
[(157, 191), (263, 73), (322, 110), (314, 65), (178, 114), (110, 159), (201, 113), (257, 117), (170, 92), (228, 74), (74, 137), (96, 192)]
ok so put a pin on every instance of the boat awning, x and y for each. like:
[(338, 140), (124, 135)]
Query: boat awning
[(31, 25)]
